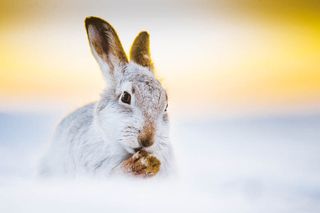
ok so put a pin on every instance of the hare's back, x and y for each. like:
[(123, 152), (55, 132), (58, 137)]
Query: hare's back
[(76, 122), (69, 133)]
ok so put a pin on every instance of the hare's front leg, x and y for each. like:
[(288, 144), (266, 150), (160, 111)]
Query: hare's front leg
[(140, 164)]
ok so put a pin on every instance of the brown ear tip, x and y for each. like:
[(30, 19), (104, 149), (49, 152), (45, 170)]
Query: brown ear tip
[(92, 20), (144, 34)]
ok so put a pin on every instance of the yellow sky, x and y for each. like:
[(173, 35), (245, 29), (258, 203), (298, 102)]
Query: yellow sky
[(225, 57)]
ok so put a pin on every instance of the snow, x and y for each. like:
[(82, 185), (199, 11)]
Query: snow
[(249, 164)]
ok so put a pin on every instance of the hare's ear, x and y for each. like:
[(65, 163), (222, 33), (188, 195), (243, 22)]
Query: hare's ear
[(140, 50), (106, 47)]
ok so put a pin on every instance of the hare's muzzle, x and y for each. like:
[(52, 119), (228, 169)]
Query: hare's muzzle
[(146, 136)]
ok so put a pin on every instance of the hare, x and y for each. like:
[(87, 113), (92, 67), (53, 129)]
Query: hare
[(131, 114)]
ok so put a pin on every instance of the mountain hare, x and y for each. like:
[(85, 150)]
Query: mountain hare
[(131, 116)]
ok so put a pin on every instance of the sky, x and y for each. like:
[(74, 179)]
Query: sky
[(223, 57)]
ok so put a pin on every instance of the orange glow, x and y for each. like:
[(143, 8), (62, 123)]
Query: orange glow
[(228, 57)]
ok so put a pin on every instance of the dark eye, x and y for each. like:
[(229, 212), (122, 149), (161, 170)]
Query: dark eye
[(166, 108), (126, 98)]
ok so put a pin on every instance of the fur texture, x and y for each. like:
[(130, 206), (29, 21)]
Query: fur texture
[(98, 137)]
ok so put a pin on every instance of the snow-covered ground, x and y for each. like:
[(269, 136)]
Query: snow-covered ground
[(262, 164)]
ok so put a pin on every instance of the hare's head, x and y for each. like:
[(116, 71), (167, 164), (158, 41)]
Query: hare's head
[(133, 109)]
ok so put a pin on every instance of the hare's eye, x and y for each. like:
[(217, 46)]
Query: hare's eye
[(166, 108), (126, 98)]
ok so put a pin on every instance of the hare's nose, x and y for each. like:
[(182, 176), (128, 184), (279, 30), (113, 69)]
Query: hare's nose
[(146, 142)]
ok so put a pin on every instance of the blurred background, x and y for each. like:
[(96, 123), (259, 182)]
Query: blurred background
[(243, 79), (234, 56)]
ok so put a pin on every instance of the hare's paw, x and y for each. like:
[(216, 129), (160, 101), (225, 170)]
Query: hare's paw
[(141, 164)]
